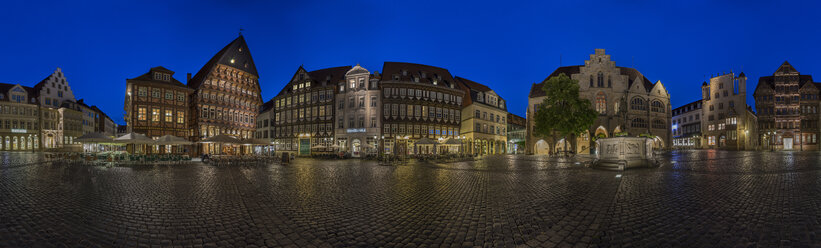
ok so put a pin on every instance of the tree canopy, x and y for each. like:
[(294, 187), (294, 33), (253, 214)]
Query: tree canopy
[(562, 112)]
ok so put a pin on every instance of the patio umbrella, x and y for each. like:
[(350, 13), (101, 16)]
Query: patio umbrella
[(134, 138), (222, 138), (172, 140), (425, 141), (94, 138), (254, 142)]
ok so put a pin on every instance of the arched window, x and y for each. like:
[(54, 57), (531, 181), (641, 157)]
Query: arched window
[(638, 123), (601, 103), (601, 80), (591, 81), (657, 106), (638, 104)]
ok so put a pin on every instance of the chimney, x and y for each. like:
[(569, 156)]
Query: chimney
[(188, 78)]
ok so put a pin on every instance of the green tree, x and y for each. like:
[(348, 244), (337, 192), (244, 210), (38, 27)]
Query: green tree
[(562, 113)]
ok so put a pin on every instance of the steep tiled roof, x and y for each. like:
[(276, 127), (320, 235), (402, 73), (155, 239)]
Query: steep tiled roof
[(471, 89), (333, 74), (473, 85), (516, 120), (632, 74), (4, 89), (148, 77), (392, 69), (237, 51), (327, 75)]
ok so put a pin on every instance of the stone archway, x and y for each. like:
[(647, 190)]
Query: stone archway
[(541, 148), (560, 146)]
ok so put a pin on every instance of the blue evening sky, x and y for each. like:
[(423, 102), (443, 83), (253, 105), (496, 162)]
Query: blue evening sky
[(505, 44)]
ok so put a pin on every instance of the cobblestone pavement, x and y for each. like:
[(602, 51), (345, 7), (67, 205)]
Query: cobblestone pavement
[(695, 199)]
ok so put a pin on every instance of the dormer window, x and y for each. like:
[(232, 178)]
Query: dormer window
[(157, 76), (404, 72), (415, 79), (435, 82), (166, 77)]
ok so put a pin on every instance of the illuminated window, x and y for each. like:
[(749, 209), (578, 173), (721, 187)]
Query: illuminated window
[(601, 103), (141, 114), (155, 114), (169, 116)]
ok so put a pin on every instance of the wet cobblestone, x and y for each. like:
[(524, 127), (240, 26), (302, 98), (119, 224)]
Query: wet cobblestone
[(695, 199)]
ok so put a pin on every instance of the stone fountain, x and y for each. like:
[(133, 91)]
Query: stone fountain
[(621, 153)]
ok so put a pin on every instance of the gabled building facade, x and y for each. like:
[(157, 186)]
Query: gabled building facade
[(303, 111), (226, 97), (156, 104), (628, 104), (728, 123), (357, 114), (55, 93), (484, 117), (19, 120), (686, 126), (787, 105), (419, 103)]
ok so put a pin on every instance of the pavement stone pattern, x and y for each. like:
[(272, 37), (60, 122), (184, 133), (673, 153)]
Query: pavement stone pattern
[(695, 199)]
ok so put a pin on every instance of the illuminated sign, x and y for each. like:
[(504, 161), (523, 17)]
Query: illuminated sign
[(356, 130), (15, 130)]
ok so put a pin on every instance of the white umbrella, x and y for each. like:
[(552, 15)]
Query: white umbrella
[(222, 138), (134, 138), (94, 138), (255, 142), (172, 140), (425, 141)]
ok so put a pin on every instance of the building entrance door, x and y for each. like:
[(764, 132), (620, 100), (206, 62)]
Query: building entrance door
[(787, 143), (356, 147)]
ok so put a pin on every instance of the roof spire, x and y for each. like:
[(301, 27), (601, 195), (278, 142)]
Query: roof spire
[(240, 31)]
